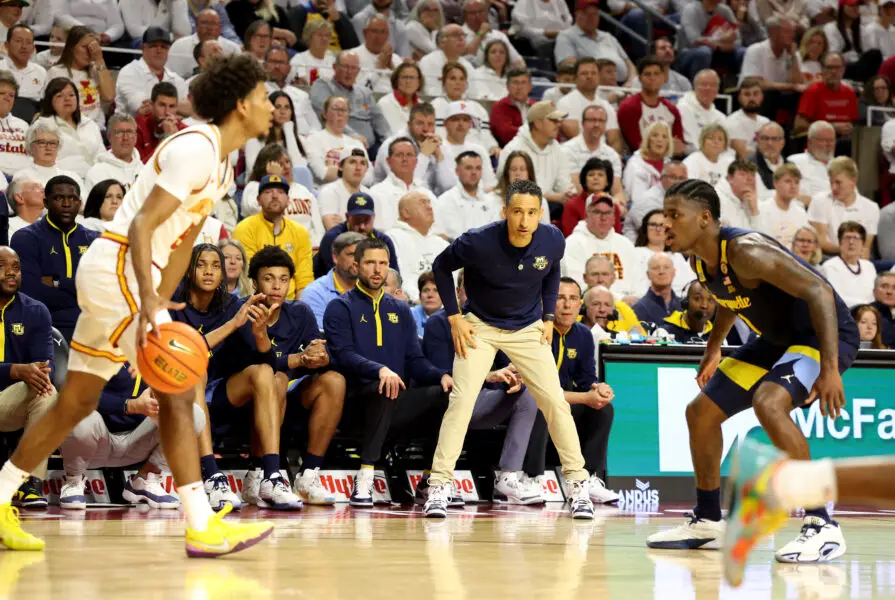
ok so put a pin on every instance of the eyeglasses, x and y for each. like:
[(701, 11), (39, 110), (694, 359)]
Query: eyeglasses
[(124, 132), (852, 238), (656, 226), (337, 110), (593, 120), (603, 213), (770, 138), (46, 143), (805, 241)]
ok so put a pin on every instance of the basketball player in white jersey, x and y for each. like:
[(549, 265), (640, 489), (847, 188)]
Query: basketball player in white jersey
[(124, 284)]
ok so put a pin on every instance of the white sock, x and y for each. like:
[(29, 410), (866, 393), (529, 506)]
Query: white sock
[(195, 504), (11, 477), (799, 483)]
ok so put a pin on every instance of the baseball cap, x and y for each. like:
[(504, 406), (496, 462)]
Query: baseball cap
[(273, 181), (463, 108), (361, 204), (346, 153), (582, 4), (21, 3), (884, 2), (849, 2), (545, 110), (156, 34), (599, 198)]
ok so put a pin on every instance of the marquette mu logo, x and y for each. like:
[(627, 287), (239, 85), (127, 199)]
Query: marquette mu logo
[(82, 249), (571, 353), (738, 303), (18, 328), (540, 263), (392, 317)]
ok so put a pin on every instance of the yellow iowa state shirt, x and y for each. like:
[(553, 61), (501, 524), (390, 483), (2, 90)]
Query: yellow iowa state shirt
[(256, 232)]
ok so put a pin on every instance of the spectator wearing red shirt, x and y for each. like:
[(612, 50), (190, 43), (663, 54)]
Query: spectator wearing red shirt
[(829, 100), (596, 178), (509, 113), (636, 113), (159, 124)]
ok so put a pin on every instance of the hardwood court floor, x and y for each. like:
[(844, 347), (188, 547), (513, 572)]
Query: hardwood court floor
[(391, 553)]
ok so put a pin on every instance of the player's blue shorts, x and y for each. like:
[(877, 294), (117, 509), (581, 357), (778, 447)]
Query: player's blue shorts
[(220, 410), (794, 367)]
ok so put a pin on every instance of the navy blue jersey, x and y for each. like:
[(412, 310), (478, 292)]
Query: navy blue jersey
[(775, 315), (205, 323)]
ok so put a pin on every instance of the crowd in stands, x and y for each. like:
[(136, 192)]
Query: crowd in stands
[(398, 125)]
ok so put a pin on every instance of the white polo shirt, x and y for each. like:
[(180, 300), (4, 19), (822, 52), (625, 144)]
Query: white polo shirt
[(740, 127), (781, 224), (386, 195), (815, 179), (32, 79), (577, 153), (135, 82), (180, 59), (333, 198), (832, 213), (457, 211), (574, 104), (760, 61), (377, 81)]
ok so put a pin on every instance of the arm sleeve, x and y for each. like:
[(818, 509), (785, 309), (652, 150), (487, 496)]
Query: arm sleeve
[(126, 92), (115, 26), (524, 19), (308, 121), (677, 129), (452, 258), (180, 22), (808, 104), (692, 25), (131, 17), (62, 10), (28, 247), (501, 123), (586, 371), (250, 204), (320, 91), (380, 123), (438, 346), (246, 236), (417, 365), (445, 171), (309, 333), (317, 161), (564, 48), (41, 20), (40, 340), (340, 342), (629, 122), (550, 285)]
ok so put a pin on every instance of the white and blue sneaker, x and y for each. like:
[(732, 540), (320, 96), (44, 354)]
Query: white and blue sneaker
[(310, 489), (72, 495), (509, 489), (275, 494), (455, 500), (580, 504), (695, 534), (362, 492), (437, 501), (149, 490), (217, 488), (251, 486), (818, 541)]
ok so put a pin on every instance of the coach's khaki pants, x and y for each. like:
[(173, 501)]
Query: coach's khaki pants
[(535, 363), (19, 409)]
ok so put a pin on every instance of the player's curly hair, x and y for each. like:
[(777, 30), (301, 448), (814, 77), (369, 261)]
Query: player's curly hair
[(523, 186), (226, 81), (222, 297), (267, 257), (696, 190)]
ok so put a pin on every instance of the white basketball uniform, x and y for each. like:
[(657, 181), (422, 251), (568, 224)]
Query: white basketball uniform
[(187, 165)]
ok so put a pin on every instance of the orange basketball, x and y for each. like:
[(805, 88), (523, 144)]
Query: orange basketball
[(175, 361)]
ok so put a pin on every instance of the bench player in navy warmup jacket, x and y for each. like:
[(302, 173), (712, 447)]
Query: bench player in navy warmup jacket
[(807, 338)]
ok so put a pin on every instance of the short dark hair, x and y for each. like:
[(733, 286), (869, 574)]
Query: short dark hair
[(605, 62), (655, 43), (742, 164), (163, 88), (12, 30), (225, 81), (370, 243), (571, 281), (267, 257), (749, 82), (518, 72), (55, 86), (587, 60), (423, 279), (852, 226), (97, 196), (596, 164), (396, 74), (649, 61), (523, 186), (60, 180), (467, 154), (401, 140), (422, 108), (696, 190)]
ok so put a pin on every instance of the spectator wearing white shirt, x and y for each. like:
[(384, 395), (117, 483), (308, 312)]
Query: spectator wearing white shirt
[(121, 161), (539, 22), (584, 95), (595, 235), (651, 240), (815, 160), (711, 162), (136, 80), (768, 157), (395, 34), (455, 80), (49, 57), (376, 55), (406, 83), (887, 143), (317, 61), (303, 207), (451, 46), (435, 168), (697, 108), (425, 21), (675, 83), (81, 140), (653, 199), (101, 16), (775, 62), (861, 62), (643, 170), (589, 144), (353, 167), (466, 206), (742, 126), (709, 34), (490, 76), (82, 61), (518, 166), (138, 15), (43, 141), (401, 155), (783, 215), (457, 125), (208, 27), (324, 147), (26, 203), (828, 211), (739, 202), (31, 77), (203, 53), (276, 64), (850, 274), (102, 203), (585, 39), (415, 242), (880, 33), (38, 15), (13, 152), (479, 34)]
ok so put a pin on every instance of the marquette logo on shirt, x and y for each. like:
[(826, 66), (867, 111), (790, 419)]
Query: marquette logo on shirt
[(18, 328), (82, 249), (540, 263), (289, 248), (392, 317), (571, 353), (738, 303)]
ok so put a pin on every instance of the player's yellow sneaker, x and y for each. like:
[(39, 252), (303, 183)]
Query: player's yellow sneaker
[(222, 538), (11, 533)]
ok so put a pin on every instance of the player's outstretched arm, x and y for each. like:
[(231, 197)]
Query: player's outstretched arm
[(753, 257)]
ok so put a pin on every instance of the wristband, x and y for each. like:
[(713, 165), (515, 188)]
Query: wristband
[(125, 407), (549, 317)]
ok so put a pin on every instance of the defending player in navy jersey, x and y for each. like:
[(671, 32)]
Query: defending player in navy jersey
[(807, 338)]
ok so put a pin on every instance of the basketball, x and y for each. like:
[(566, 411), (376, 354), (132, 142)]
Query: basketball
[(175, 361)]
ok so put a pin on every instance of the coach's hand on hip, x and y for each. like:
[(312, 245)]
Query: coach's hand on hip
[(547, 334), (463, 334)]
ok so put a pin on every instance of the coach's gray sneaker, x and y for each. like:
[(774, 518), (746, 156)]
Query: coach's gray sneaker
[(437, 501), (580, 504)]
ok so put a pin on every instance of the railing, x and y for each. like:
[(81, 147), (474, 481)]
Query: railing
[(880, 109)]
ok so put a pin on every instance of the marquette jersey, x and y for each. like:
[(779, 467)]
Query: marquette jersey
[(772, 313), (187, 165)]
